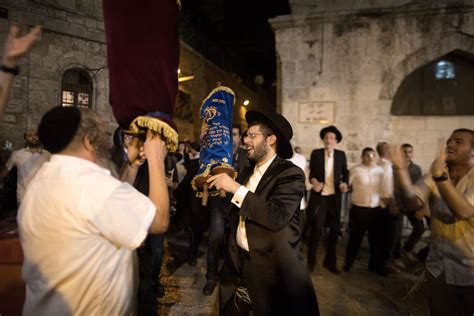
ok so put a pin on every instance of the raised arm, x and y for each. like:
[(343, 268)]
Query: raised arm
[(14, 48), (454, 200), (407, 192), (155, 151)]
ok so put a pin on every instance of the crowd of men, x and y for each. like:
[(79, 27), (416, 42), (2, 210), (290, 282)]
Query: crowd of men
[(81, 218)]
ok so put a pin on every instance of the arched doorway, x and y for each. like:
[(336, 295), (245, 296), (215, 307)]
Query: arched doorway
[(444, 86)]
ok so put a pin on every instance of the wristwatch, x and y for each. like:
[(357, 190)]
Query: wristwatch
[(443, 177), (11, 70)]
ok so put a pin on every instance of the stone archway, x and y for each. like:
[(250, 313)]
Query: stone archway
[(424, 132), (422, 56)]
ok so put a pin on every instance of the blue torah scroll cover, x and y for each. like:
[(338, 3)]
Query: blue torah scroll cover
[(216, 140)]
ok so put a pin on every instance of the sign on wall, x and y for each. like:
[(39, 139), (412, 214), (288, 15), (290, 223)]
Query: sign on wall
[(316, 112)]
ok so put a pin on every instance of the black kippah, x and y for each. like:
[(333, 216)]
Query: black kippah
[(58, 127)]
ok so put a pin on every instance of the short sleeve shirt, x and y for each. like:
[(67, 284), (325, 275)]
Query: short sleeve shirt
[(28, 163), (78, 229), (452, 239)]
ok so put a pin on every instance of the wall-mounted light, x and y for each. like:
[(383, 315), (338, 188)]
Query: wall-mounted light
[(246, 102), (179, 71), (186, 78)]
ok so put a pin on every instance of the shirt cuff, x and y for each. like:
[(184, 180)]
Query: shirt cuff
[(239, 196)]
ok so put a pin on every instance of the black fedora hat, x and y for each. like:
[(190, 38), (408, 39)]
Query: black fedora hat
[(280, 127), (333, 129)]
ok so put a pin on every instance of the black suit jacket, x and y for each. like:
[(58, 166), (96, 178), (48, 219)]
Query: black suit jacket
[(316, 170), (316, 167), (279, 283)]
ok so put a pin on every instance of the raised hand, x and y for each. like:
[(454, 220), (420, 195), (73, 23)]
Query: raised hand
[(438, 167), (155, 147), (16, 47), (397, 157)]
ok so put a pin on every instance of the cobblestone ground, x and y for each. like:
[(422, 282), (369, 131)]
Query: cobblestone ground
[(358, 292)]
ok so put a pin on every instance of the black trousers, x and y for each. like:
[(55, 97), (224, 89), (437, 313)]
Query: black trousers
[(359, 218), (380, 238), (324, 213), (446, 299), (236, 306), (416, 233), (212, 217)]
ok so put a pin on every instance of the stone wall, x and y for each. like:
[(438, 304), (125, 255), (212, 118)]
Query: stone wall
[(358, 61), (305, 7), (73, 37)]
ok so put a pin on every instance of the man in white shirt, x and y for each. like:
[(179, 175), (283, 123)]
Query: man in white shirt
[(79, 226), (300, 161), (264, 269), (28, 161), (365, 180)]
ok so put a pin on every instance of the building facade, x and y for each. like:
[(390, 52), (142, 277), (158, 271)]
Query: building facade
[(397, 71)]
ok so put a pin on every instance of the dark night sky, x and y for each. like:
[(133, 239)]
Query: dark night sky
[(234, 34)]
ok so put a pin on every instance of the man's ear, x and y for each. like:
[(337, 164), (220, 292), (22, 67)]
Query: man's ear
[(87, 143), (271, 140)]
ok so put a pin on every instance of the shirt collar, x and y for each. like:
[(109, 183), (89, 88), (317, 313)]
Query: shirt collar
[(385, 161), (77, 162), (261, 170), (39, 151)]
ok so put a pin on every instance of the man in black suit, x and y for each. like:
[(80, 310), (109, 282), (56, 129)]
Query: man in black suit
[(264, 270), (328, 177)]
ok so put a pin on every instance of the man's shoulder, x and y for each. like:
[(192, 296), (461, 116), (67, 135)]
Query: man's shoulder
[(339, 152), (356, 167), (317, 152), (19, 152), (286, 167)]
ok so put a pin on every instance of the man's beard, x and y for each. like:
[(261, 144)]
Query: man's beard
[(259, 152), (103, 154), (32, 144), (104, 160)]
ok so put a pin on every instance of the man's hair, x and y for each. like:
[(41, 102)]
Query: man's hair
[(237, 126), (264, 127), (466, 130), (367, 149), (380, 148), (89, 126), (406, 145)]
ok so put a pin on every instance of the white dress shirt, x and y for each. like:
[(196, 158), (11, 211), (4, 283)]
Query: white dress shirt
[(328, 188), (387, 183), (79, 227), (28, 162), (300, 161), (366, 185), (239, 197)]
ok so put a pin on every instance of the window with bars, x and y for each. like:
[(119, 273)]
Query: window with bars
[(76, 88)]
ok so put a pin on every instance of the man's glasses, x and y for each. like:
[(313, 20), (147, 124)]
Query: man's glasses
[(252, 135)]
